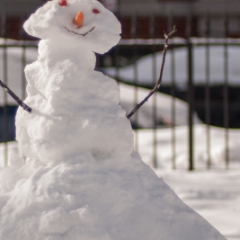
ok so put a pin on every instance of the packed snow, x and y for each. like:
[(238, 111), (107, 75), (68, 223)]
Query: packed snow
[(82, 177), (213, 194)]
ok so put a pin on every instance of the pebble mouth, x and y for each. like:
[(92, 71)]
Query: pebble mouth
[(84, 34)]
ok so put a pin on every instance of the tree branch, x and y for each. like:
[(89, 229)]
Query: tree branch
[(15, 97), (158, 83)]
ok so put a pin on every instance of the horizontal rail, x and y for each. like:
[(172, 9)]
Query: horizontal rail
[(147, 42)]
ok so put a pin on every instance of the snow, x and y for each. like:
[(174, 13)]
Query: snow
[(82, 177), (217, 147), (164, 141), (53, 20), (213, 194), (145, 73)]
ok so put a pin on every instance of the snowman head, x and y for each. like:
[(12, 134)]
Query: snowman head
[(75, 23)]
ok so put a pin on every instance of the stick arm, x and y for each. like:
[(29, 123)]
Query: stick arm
[(158, 83), (15, 97)]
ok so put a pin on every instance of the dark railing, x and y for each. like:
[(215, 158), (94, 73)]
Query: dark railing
[(215, 103)]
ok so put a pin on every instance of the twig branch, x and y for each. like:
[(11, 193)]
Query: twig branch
[(15, 97), (158, 83)]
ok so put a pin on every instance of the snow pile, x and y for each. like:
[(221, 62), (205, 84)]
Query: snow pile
[(214, 195), (82, 178)]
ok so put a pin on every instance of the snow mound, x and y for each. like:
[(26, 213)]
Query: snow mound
[(118, 199)]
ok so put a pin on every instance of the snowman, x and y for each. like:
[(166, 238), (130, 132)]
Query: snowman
[(66, 94), (82, 179)]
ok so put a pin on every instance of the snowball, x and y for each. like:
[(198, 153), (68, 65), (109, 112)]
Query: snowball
[(55, 22)]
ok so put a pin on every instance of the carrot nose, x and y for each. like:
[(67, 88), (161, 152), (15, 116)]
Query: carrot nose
[(78, 20)]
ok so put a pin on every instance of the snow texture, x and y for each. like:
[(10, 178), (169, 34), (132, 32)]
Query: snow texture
[(213, 194), (82, 178)]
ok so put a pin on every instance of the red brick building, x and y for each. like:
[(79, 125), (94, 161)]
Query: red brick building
[(144, 18)]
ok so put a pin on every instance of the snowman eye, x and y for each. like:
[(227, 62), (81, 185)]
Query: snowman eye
[(63, 3), (96, 11)]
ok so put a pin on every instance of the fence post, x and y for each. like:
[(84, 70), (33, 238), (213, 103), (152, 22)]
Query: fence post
[(190, 107), (207, 92), (226, 93)]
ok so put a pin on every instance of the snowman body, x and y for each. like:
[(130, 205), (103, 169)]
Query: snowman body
[(68, 96)]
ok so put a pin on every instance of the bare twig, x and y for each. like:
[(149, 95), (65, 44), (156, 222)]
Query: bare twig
[(166, 36), (15, 97)]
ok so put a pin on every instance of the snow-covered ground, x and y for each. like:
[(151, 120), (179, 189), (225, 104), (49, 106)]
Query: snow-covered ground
[(164, 147), (214, 195)]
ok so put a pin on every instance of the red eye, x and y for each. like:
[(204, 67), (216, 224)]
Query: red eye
[(96, 11), (63, 3)]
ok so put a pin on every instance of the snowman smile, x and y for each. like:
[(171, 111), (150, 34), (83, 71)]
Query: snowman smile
[(81, 34)]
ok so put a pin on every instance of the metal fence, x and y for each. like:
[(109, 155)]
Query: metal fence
[(203, 72), (213, 98)]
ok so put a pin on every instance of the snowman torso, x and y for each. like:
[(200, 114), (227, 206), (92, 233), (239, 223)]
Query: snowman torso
[(70, 99)]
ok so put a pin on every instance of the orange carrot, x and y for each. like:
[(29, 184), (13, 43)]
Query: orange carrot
[(78, 20)]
